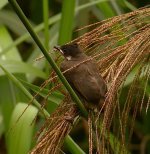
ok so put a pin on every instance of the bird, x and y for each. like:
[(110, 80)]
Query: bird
[(83, 75)]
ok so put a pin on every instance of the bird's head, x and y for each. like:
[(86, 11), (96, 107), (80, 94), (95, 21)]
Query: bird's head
[(69, 51)]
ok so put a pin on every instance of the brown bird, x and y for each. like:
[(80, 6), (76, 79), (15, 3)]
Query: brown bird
[(84, 78)]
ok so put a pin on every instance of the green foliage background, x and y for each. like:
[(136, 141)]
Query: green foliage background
[(55, 22)]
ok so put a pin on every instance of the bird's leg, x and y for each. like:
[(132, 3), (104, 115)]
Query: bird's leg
[(70, 118)]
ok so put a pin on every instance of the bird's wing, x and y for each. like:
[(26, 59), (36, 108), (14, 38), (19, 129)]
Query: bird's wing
[(87, 84), (86, 80)]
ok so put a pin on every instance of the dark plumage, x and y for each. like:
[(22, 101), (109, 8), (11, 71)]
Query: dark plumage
[(85, 78)]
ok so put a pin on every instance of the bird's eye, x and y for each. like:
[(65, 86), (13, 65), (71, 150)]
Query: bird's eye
[(75, 45)]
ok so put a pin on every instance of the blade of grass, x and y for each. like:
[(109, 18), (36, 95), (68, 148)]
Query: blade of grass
[(46, 31), (66, 23), (129, 5), (83, 18), (3, 3), (24, 90), (46, 26), (6, 40), (116, 7), (74, 148), (2, 126), (116, 145), (106, 9), (20, 137), (21, 67), (10, 20), (55, 97)]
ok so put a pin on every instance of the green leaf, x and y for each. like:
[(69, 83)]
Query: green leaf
[(1, 122), (67, 21), (73, 147), (106, 9), (20, 136), (129, 5), (9, 94), (132, 75), (3, 3), (21, 67), (6, 40), (24, 90), (55, 97), (10, 20), (117, 146)]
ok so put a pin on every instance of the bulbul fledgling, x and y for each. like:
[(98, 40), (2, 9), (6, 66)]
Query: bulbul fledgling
[(85, 78)]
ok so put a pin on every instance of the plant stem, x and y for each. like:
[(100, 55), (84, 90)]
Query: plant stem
[(106, 9), (49, 59), (75, 149), (46, 26), (67, 20)]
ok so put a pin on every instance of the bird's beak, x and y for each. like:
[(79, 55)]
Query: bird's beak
[(57, 48)]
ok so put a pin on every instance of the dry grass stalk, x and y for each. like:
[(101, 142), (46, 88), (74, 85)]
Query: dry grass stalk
[(119, 45), (56, 127)]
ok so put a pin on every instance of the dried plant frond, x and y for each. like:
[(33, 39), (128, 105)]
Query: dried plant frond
[(56, 127), (120, 45), (90, 134)]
